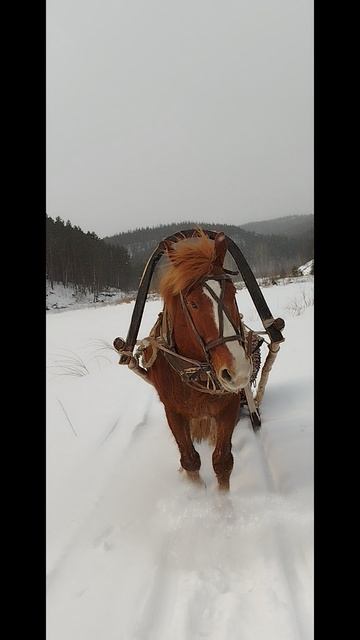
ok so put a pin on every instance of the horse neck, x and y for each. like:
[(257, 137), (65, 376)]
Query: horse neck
[(184, 338)]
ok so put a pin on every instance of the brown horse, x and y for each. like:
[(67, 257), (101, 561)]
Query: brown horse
[(197, 356)]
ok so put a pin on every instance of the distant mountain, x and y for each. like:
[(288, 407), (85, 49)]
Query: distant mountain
[(266, 254), (290, 226)]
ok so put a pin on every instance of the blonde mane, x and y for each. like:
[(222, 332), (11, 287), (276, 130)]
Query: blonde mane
[(189, 260)]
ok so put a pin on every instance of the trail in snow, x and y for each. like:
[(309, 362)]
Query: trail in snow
[(134, 550)]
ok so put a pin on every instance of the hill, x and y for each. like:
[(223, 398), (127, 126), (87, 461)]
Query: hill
[(266, 254), (290, 226)]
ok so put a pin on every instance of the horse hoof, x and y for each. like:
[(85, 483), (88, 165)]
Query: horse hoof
[(224, 486), (195, 477)]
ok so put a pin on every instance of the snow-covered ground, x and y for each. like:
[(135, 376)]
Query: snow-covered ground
[(136, 552), (59, 297)]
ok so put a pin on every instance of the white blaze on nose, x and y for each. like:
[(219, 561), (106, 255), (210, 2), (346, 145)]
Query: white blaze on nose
[(240, 363)]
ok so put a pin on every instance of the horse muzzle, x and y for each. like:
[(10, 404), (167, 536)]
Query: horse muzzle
[(233, 381)]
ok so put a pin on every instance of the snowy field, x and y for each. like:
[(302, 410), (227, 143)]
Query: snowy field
[(134, 552), (59, 297)]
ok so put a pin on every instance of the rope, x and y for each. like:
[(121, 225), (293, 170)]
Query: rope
[(257, 333)]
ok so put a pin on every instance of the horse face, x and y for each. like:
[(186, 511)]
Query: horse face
[(232, 366)]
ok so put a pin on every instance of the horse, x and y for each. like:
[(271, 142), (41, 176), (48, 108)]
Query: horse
[(198, 355)]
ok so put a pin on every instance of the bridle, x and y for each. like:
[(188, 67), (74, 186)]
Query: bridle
[(239, 335), (199, 375)]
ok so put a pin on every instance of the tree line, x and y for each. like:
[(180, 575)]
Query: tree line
[(92, 264), (267, 255), (84, 260)]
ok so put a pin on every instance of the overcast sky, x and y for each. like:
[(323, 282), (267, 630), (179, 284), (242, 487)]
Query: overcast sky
[(172, 110)]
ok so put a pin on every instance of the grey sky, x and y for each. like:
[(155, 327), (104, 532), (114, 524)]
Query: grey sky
[(170, 110)]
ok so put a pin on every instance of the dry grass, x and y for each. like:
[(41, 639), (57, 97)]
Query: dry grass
[(69, 364), (298, 305)]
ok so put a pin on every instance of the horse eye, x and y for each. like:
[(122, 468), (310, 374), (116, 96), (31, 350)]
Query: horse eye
[(194, 305)]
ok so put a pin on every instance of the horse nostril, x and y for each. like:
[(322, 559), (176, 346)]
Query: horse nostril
[(226, 375)]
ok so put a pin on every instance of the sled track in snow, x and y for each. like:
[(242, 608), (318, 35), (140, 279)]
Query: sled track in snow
[(204, 590), (202, 587), (205, 586), (71, 544), (280, 543)]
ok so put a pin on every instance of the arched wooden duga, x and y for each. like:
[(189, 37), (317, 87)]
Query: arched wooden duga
[(273, 326)]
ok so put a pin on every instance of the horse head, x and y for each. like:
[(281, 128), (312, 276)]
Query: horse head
[(205, 316)]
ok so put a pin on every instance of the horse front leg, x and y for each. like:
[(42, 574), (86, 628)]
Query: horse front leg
[(222, 458), (189, 457)]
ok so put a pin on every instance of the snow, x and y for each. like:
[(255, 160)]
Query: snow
[(136, 552), (59, 297)]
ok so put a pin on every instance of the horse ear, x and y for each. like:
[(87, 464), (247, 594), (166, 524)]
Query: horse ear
[(220, 248)]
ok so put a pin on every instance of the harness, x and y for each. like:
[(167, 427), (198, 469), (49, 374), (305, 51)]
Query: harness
[(199, 375)]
